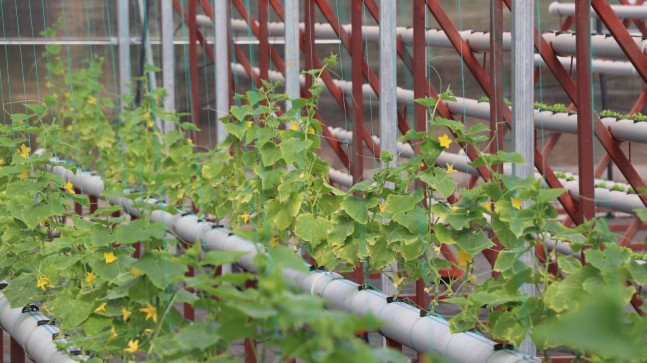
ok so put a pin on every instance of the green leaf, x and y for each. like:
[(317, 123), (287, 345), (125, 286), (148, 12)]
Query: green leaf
[(284, 257), (219, 258), (441, 182), (402, 203), (356, 208), (292, 149), (312, 228), (638, 271), (159, 269), (139, 230), (568, 264), (472, 241)]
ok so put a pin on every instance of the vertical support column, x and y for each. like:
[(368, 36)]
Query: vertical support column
[(388, 99), (17, 354), (357, 161), (168, 62), (193, 63), (419, 91), (523, 111), (222, 73), (292, 63), (123, 23), (584, 109), (309, 34), (263, 39), (496, 76)]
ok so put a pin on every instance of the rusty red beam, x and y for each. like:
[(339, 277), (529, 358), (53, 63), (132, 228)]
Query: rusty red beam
[(630, 232), (357, 164), (621, 35), (263, 39)]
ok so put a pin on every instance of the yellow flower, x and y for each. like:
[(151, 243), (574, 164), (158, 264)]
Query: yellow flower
[(1, 161), (109, 257), (274, 241), (397, 280), (249, 124), (69, 187), (125, 314), (421, 165), (445, 141), (92, 100), (23, 151), (190, 141), (516, 203), (48, 85), (101, 307), (453, 207), (194, 186), (90, 277), (43, 282), (151, 312), (23, 175), (437, 249), (281, 132), (135, 273), (311, 130), (70, 127), (463, 258), (151, 124), (113, 335), (471, 278), (487, 205), (382, 207), (245, 218), (148, 331), (67, 95), (294, 126), (133, 346), (450, 169)]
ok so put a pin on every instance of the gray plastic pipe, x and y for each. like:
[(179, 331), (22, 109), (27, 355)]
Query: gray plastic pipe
[(400, 322), (622, 11), (35, 340)]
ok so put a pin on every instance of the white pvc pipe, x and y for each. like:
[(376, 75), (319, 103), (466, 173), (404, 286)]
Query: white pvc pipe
[(168, 62), (221, 74), (35, 340), (622, 11), (400, 322)]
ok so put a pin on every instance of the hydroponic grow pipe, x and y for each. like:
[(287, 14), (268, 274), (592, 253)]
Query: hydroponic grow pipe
[(31, 329), (563, 43), (622, 130), (400, 322), (604, 197), (622, 11)]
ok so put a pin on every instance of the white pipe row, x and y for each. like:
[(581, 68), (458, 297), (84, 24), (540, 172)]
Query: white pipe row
[(622, 11), (563, 43), (400, 322), (34, 339), (604, 197), (622, 130)]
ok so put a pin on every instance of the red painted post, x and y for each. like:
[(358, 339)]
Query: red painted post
[(584, 110), (93, 204), (189, 311), (264, 41), (17, 354), (193, 64), (357, 163), (496, 77), (309, 38)]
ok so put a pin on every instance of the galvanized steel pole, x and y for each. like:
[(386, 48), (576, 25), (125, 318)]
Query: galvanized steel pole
[(523, 112), (388, 97), (168, 61), (123, 16), (292, 84), (221, 20)]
